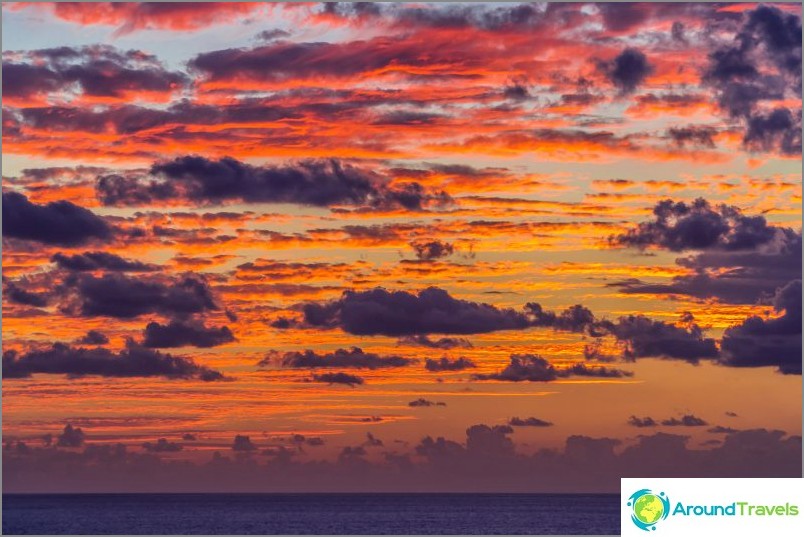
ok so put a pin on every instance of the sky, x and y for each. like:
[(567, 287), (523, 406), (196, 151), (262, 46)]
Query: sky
[(399, 247)]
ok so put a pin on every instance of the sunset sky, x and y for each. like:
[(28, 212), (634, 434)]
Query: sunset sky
[(404, 239)]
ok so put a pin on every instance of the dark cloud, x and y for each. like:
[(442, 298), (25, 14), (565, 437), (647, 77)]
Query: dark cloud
[(576, 318), (243, 443), (98, 70), (372, 441), (776, 342), (341, 358), (529, 422), (433, 249), (188, 437), (700, 136), (444, 343), (90, 261), (534, 368), (627, 70), (18, 295), (270, 35), (698, 226), (117, 295), (338, 378), (719, 429), (644, 337), (320, 183), (687, 420), (400, 313), (779, 128), (185, 333), (647, 421), (162, 446), (59, 222), (93, 337), (762, 64), (71, 437), (445, 364), (421, 402), (132, 361), (734, 277)]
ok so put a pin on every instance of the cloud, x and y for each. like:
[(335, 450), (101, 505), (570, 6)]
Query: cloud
[(700, 136), (135, 16), (647, 421), (372, 441), (627, 70), (185, 333), (56, 223), (338, 378), (680, 226), (534, 368), (400, 313), (445, 364), (18, 295), (132, 361), (420, 402), (91, 261), (576, 318), (687, 420), (644, 337), (433, 249), (341, 358), (529, 422), (762, 64), (162, 446), (71, 436), (319, 183), (444, 343), (100, 71), (243, 443), (120, 296), (93, 337), (776, 342)]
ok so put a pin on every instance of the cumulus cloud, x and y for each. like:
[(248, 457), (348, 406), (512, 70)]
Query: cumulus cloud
[(627, 70), (90, 261), (761, 65), (687, 420), (338, 378), (58, 223), (133, 361), (768, 342), (529, 422), (163, 445), (428, 250), (445, 364), (98, 70), (680, 226), (401, 313), (341, 358), (321, 183), (93, 337), (644, 337), (243, 443), (647, 421), (534, 368), (71, 436), (444, 343), (185, 333), (121, 296), (18, 295), (421, 402)]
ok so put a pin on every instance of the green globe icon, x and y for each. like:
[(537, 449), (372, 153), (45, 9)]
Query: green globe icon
[(648, 508)]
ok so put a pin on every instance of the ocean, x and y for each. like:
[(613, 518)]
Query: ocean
[(332, 514)]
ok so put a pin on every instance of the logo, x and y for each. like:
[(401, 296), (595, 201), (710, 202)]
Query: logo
[(648, 508)]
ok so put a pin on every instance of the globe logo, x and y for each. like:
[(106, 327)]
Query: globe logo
[(648, 508)]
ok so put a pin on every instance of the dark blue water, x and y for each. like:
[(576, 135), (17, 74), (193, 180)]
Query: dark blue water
[(245, 514)]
